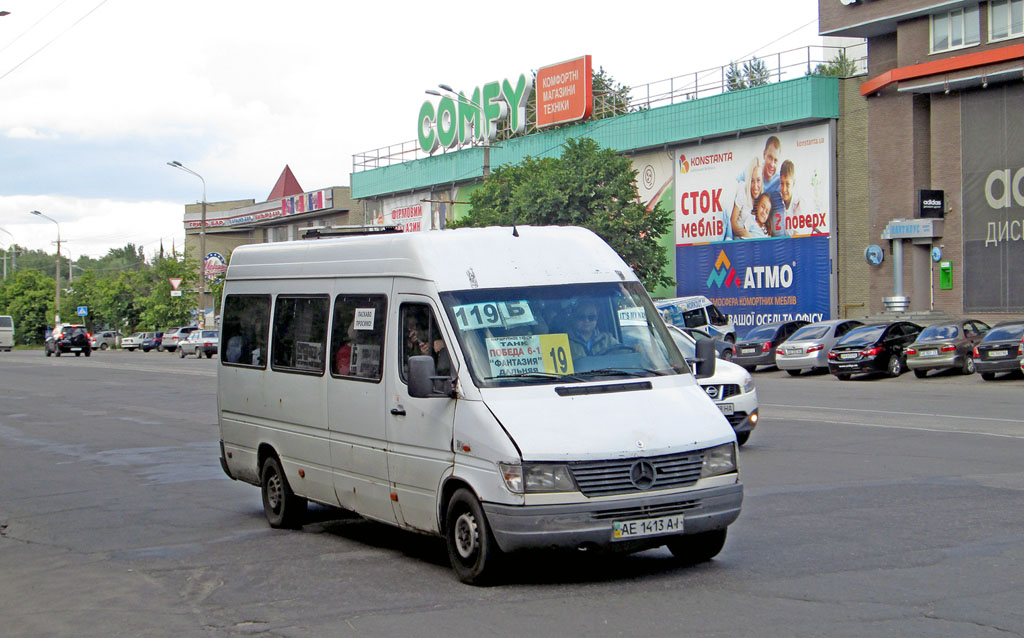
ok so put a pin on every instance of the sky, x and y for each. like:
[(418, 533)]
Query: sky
[(96, 96)]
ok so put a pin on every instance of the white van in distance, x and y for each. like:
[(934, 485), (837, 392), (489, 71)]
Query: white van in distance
[(697, 311), (6, 333), (476, 384)]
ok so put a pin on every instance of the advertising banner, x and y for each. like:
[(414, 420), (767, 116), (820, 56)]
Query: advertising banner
[(758, 187), (410, 212), (759, 282), (993, 199)]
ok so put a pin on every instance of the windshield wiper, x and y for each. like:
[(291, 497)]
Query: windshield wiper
[(629, 372), (540, 376)]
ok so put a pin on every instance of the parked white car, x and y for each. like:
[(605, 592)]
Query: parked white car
[(133, 342), (731, 388), (199, 342), (807, 348)]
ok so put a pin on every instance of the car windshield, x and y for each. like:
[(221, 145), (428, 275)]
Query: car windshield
[(938, 333), (812, 331), (209, 334), (686, 346), (6, 322), (862, 336), (560, 333), (1005, 333), (762, 333)]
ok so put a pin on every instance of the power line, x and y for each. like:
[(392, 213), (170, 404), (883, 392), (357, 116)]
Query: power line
[(32, 55), (36, 23)]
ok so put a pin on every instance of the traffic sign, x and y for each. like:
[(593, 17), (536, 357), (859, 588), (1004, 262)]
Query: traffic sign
[(83, 311), (175, 282), (175, 293)]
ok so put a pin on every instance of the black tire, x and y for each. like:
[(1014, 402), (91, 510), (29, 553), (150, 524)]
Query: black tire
[(895, 366), (48, 352), (209, 355), (159, 348), (103, 346), (843, 376), (88, 353), (968, 367), (78, 354), (749, 368), (473, 552), (988, 376), (727, 355), (130, 349), (794, 373), (284, 510), (920, 374), (741, 437), (697, 548), (181, 354)]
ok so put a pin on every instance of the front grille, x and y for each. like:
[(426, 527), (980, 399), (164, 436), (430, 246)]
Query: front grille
[(719, 392), (603, 478), (647, 511)]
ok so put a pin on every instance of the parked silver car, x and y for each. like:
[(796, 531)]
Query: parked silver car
[(808, 348), (199, 342), (106, 339), (133, 342)]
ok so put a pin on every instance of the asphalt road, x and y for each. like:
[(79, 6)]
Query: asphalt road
[(873, 508)]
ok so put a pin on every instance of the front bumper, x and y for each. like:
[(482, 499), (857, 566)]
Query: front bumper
[(589, 525)]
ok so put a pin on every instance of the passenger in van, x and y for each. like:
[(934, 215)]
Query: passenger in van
[(585, 338)]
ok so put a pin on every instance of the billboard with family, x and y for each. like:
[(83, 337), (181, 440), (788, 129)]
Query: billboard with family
[(763, 204)]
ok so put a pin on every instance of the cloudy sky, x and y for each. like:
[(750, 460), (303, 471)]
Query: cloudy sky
[(96, 96)]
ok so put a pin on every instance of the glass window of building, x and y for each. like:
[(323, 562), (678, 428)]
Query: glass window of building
[(955, 29), (1005, 19)]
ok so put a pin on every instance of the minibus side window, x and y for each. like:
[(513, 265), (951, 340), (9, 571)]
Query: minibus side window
[(694, 318), (421, 336), (357, 336), (300, 334), (717, 317), (245, 324)]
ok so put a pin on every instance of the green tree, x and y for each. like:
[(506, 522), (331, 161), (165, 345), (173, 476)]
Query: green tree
[(26, 297), (159, 309), (734, 78), (839, 66), (753, 73), (587, 186)]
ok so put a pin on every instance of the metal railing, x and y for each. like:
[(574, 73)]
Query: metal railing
[(776, 67)]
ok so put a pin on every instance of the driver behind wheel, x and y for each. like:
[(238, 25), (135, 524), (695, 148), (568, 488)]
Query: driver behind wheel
[(585, 338)]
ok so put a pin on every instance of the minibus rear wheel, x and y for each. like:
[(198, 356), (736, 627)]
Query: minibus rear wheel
[(471, 546), (283, 508)]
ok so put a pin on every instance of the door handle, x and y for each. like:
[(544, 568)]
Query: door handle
[(398, 411)]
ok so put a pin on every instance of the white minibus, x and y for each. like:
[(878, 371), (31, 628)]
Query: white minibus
[(504, 388), (6, 333)]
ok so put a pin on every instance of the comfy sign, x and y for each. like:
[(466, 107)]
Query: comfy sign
[(457, 120), (564, 92)]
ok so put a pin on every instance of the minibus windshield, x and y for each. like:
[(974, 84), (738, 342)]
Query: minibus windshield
[(561, 334)]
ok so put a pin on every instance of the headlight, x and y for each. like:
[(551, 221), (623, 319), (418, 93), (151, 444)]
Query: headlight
[(748, 383), (720, 459), (537, 477)]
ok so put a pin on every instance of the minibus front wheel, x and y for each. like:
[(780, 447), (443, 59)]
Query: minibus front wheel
[(471, 546), (283, 508)]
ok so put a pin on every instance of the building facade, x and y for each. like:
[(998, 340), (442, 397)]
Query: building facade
[(944, 151)]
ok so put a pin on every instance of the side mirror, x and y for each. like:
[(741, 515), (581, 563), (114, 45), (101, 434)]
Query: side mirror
[(423, 380), (705, 359)]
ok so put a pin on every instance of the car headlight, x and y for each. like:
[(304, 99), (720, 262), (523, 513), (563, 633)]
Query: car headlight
[(748, 383), (537, 477), (720, 459)]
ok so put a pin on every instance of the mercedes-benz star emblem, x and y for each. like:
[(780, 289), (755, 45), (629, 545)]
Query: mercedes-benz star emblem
[(642, 474)]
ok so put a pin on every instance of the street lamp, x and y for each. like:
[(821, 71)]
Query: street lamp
[(14, 255), (56, 296), (202, 239)]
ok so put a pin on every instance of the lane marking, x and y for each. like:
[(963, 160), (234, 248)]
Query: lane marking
[(942, 416), (909, 427)]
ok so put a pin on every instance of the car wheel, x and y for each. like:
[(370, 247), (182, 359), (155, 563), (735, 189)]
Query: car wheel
[(920, 374), (159, 348), (56, 352), (988, 376), (282, 507), (78, 354), (843, 377), (130, 349), (749, 368), (726, 355), (88, 353), (181, 353), (209, 355), (794, 373), (895, 367), (697, 548), (48, 352), (741, 437), (103, 346), (968, 367), (471, 546)]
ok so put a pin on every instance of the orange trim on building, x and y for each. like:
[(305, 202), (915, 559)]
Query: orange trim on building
[(945, 65)]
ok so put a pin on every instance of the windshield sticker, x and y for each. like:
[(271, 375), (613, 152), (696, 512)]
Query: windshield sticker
[(493, 314), (548, 353), (632, 316)]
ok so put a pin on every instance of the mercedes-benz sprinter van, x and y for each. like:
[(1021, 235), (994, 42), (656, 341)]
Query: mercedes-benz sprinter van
[(6, 333), (506, 389)]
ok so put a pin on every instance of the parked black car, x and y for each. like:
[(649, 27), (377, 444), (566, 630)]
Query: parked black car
[(153, 341), (873, 348), (70, 339), (999, 351), (758, 347)]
